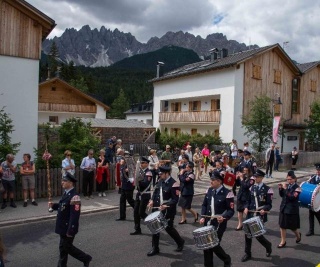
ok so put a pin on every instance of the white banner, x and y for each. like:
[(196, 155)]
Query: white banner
[(276, 123)]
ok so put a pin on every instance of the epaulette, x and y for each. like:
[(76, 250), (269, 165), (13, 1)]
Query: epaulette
[(230, 195), (270, 191), (148, 173), (176, 184), (298, 189), (75, 200)]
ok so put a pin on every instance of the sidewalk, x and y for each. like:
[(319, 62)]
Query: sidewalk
[(11, 216)]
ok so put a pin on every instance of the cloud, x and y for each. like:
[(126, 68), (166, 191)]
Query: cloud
[(261, 22)]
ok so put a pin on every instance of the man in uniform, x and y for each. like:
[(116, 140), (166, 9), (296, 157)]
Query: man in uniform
[(143, 195), (67, 223), (260, 200), (165, 197), (218, 204), (315, 179)]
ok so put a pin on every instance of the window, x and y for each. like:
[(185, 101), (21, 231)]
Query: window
[(194, 105), (215, 104), (256, 72), (277, 76), (176, 107), (54, 119), (216, 133), (313, 86), (175, 131), (166, 106), (295, 96), (194, 131), (53, 88)]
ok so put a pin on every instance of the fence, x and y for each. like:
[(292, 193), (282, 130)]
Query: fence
[(41, 190), (141, 149)]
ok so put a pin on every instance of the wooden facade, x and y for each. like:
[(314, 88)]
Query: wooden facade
[(22, 29), (58, 96), (212, 116)]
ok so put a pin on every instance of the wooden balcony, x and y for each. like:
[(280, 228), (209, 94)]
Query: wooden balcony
[(67, 108), (212, 116)]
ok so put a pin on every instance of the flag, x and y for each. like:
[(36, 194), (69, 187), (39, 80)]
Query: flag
[(275, 130)]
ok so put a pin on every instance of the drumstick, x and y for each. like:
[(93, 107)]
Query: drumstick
[(165, 206), (258, 211), (214, 216)]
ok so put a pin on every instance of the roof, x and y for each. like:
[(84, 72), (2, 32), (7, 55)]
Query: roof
[(226, 62), (305, 67), (77, 91), (46, 22), (115, 123)]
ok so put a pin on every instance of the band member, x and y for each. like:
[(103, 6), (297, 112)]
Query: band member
[(186, 177), (315, 179), (218, 202), (165, 197), (67, 223), (218, 168), (260, 200), (245, 181), (127, 188), (289, 209), (247, 162), (143, 195)]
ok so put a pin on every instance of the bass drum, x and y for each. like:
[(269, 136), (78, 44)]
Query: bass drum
[(310, 196)]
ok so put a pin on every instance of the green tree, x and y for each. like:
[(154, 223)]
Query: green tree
[(6, 128), (80, 84), (312, 133), (119, 106), (53, 59), (258, 122)]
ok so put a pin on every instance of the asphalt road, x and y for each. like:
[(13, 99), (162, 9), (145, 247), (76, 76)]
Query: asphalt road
[(109, 242)]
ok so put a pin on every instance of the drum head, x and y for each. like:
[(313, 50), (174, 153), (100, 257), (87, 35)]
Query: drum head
[(203, 229), (152, 216), (316, 199)]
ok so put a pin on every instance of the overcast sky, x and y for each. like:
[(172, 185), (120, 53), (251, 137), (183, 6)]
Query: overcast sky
[(261, 22)]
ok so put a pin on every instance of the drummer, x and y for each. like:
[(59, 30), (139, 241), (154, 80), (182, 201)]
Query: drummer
[(167, 203), (315, 179), (218, 202), (260, 200)]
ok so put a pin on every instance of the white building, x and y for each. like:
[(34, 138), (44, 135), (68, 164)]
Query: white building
[(141, 112)]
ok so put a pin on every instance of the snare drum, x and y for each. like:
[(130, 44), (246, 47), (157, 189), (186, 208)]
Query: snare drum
[(205, 237), (310, 196), (156, 222), (253, 227), (229, 179)]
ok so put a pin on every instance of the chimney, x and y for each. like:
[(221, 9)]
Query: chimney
[(213, 54), (224, 52), (48, 78), (159, 64)]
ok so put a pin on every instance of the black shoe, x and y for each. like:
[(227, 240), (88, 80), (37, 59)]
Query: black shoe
[(196, 219), (121, 219), (87, 262), (13, 205), (3, 206), (246, 257), (180, 247), (153, 251), (136, 232), (299, 239), (25, 204), (282, 245), (310, 233), (227, 263), (183, 222), (238, 229), (34, 203), (269, 251)]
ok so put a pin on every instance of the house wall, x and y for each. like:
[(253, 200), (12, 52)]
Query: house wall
[(203, 86), (101, 112), (19, 96), (62, 117), (143, 117)]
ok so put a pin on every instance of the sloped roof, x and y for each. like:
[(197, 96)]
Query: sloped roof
[(115, 123), (227, 62), (77, 91), (305, 67)]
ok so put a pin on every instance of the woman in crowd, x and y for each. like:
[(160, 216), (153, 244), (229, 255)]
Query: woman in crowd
[(153, 165), (102, 176), (289, 209), (205, 155), (186, 177), (278, 159), (197, 159), (294, 157)]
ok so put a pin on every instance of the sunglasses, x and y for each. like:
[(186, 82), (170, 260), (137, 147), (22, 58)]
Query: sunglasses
[(68, 154)]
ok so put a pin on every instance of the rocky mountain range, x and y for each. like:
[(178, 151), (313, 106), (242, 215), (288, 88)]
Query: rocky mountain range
[(101, 48)]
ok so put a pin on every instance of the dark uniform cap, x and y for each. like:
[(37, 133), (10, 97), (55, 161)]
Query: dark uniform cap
[(190, 164), (247, 153), (291, 174), (185, 156), (317, 166), (259, 173), (240, 151), (164, 169), (144, 159), (69, 177), (216, 175)]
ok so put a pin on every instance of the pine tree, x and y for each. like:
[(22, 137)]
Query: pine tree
[(6, 128), (119, 106), (312, 133), (258, 122), (53, 59)]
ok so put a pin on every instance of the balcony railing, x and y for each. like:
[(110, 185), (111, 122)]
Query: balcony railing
[(212, 116), (67, 108)]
